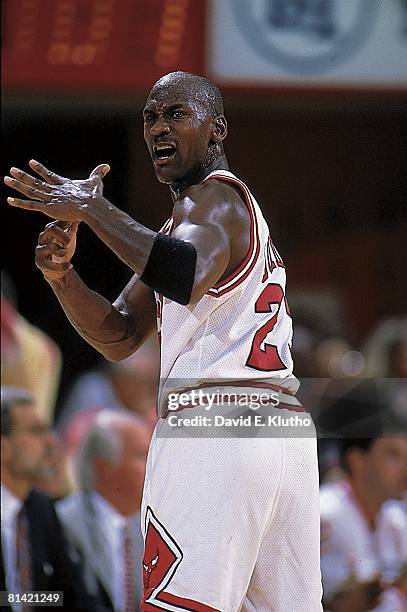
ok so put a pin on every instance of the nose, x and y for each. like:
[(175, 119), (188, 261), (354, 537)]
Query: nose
[(160, 126)]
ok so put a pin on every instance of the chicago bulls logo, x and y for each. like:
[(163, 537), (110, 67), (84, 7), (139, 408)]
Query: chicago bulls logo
[(162, 556), (147, 569)]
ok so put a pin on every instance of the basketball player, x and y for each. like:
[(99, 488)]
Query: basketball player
[(231, 522)]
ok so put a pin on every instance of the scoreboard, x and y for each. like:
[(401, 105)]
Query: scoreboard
[(125, 45), (113, 45)]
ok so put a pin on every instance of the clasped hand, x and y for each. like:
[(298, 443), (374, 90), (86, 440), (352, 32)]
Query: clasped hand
[(56, 196)]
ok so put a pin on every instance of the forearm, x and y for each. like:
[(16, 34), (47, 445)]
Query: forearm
[(95, 318), (129, 240)]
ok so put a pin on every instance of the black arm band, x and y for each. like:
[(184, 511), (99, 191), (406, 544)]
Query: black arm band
[(170, 268)]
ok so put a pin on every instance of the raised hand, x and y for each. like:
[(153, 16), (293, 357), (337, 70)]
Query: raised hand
[(55, 249), (56, 196)]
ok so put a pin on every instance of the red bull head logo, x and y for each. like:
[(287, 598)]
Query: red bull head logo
[(147, 569)]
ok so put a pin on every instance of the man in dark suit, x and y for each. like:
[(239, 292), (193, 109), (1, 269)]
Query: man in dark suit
[(35, 554)]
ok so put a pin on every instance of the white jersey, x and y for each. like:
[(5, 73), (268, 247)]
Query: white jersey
[(349, 547), (207, 497), (240, 329)]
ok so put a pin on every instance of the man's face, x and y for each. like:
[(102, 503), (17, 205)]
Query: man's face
[(177, 131), (127, 476), (26, 455), (386, 467)]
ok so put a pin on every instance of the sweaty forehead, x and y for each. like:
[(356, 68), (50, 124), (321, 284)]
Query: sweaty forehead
[(178, 92)]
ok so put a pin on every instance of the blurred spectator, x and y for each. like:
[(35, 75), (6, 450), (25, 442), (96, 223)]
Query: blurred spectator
[(57, 482), (129, 385), (303, 351), (386, 349), (364, 535), (102, 520), (336, 358), (34, 550), (30, 359)]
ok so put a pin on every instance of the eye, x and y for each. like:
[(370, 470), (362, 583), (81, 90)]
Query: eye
[(149, 117), (177, 114)]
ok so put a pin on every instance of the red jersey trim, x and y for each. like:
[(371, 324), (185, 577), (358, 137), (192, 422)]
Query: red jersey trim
[(287, 400), (185, 604), (167, 227), (243, 270), (250, 382)]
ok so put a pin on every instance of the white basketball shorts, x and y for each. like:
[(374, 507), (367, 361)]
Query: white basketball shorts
[(231, 523)]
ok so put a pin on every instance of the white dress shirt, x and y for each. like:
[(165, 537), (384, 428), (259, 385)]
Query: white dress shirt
[(10, 507), (112, 524), (349, 546)]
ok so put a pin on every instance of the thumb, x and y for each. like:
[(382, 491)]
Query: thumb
[(68, 226), (73, 228), (100, 171)]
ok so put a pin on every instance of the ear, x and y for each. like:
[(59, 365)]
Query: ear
[(356, 459), (219, 129), (6, 451)]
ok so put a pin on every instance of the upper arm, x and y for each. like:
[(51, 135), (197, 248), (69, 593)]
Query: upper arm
[(210, 219)]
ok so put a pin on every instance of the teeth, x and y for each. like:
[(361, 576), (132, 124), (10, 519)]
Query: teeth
[(164, 151), (163, 147)]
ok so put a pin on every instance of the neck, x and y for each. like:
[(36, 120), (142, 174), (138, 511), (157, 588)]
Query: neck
[(197, 174), (369, 503), (19, 488), (119, 505)]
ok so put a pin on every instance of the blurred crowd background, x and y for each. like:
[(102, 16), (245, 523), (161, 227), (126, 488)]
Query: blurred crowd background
[(318, 129)]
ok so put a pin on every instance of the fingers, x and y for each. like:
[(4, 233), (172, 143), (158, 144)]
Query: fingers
[(69, 226), (30, 192), (47, 208), (29, 180), (27, 204), (73, 228), (47, 175), (44, 260), (100, 171), (54, 233)]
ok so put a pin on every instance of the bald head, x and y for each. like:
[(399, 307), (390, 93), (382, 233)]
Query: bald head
[(184, 111), (188, 86)]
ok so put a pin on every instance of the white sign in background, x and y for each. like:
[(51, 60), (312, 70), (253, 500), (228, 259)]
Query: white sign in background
[(360, 43)]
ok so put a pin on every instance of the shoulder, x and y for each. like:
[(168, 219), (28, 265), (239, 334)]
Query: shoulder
[(77, 521), (394, 514), (341, 528), (216, 191), (335, 506), (213, 200), (69, 508), (332, 500)]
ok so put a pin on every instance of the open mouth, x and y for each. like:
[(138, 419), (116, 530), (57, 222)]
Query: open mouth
[(162, 153)]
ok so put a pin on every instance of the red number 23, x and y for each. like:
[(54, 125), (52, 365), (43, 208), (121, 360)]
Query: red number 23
[(266, 359)]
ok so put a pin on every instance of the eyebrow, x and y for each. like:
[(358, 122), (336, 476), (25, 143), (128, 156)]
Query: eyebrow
[(151, 109)]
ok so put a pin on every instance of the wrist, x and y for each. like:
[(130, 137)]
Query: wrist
[(59, 282), (96, 210)]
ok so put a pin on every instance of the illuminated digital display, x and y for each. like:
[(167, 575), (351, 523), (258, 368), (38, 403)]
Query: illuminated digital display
[(100, 44)]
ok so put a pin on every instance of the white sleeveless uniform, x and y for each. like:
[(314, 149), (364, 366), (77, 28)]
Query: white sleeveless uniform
[(232, 522)]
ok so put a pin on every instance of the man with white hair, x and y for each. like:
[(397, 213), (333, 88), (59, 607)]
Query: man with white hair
[(102, 519)]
